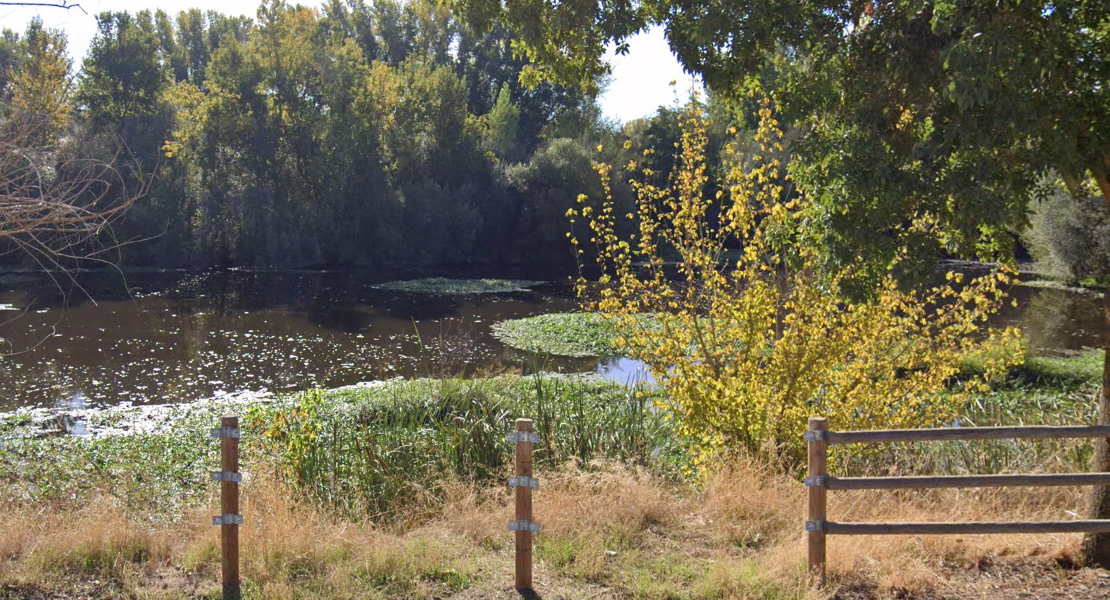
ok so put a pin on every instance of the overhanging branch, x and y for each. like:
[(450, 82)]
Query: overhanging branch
[(63, 4)]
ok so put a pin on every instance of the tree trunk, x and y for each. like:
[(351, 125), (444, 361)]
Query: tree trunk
[(1096, 546)]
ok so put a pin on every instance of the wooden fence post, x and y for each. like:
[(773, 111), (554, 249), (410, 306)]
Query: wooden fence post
[(818, 445), (523, 483), (229, 519)]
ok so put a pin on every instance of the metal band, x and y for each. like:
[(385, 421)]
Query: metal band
[(524, 481), (524, 437), (524, 526), (817, 435), (225, 432), (817, 481), (231, 476), (228, 519), (817, 525)]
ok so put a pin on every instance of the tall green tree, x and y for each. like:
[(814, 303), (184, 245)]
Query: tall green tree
[(357, 133), (122, 76), (502, 123)]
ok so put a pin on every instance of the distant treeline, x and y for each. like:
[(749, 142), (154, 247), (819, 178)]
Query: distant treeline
[(380, 133)]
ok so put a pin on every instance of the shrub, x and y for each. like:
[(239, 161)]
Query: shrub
[(750, 336)]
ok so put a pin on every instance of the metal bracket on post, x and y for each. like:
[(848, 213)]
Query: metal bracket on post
[(227, 476), (817, 525), (524, 437), (229, 519), (524, 526), (817, 435), (224, 432), (817, 481), (522, 481)]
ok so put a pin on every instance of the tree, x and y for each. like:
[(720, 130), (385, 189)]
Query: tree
[(941, 109), (122, 75), (1069, 234), (58, 205), (501, 126), (40, 85)]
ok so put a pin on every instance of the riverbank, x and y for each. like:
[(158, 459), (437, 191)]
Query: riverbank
[(395, 491)]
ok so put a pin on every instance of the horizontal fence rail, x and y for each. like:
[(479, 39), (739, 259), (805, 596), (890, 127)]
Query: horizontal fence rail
[(956, 434), (970, 528), (818, 482), (958, 481)]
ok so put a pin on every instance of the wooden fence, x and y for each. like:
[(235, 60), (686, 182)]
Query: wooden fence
[(819, 482), (523, 440)]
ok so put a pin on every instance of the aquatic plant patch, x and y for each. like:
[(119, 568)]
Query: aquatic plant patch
[(443, 286), (560, 334)]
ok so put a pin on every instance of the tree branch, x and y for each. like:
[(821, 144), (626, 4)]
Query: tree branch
[(64, 4)]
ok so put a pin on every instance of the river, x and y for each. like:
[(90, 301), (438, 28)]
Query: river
[(152, 337)]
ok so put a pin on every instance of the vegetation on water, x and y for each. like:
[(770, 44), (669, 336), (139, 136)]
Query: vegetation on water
[(442, 286), (560, 334)]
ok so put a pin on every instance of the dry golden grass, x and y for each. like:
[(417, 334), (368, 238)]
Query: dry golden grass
[(609, 532)]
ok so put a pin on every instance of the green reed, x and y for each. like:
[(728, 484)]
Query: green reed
[(1044, 391), (375, 451)]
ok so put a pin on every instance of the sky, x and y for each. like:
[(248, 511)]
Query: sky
[(641, 79)]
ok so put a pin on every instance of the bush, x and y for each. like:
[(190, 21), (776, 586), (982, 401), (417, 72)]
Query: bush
[(750, 335)]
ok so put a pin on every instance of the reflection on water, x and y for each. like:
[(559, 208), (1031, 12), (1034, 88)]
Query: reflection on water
[(184, 336), (181, 336), (1060, 320), (624, 370), (73, 426)]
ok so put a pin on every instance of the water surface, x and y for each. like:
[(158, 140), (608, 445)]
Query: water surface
[(159, 337), (174, 336)]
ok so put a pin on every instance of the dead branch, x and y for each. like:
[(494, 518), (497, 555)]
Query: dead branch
[(63, 5), (56, 207)]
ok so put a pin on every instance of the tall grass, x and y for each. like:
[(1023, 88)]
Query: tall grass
[(1046, 390), (368, 451)]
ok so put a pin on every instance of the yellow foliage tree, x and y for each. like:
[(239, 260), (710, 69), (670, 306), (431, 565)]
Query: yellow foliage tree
[(747, 336), (40, 86)]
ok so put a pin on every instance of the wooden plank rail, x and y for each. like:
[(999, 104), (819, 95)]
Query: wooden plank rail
[(964, 481), (967, 433), (968, 528), (819, 438)]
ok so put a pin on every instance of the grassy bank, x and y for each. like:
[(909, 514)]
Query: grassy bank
[(396, 491)]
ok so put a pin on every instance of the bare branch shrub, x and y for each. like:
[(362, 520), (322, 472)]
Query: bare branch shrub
[(58, 201)]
